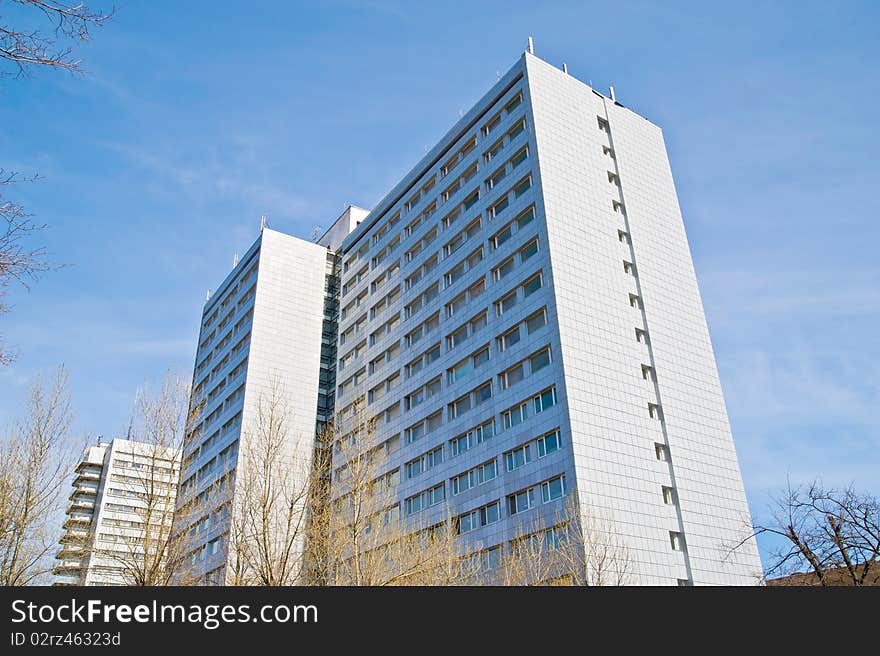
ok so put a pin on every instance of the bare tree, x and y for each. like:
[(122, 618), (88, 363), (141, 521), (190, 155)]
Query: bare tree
[(149, 552), (23, 49), (579, 547), (365, 537), (35, 461), (270, 509), (832, 533)]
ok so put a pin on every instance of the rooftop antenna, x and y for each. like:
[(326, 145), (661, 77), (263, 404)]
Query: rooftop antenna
[(316, 233), (565, 68), (208, 296), (460, 112), (531, 46), (497, 74), (611, 91), (235, 260), (263, 223)]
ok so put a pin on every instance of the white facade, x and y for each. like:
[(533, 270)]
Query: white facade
[(105, 521), (530, 279), (263, 328)]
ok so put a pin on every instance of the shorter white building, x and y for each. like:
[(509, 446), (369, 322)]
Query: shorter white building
[(119, 487)]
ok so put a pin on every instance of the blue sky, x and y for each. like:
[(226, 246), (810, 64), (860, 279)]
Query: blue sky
[(196, 118)]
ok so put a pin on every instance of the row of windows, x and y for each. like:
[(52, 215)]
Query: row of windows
[(518, 502), (487, 471), (534, 449)]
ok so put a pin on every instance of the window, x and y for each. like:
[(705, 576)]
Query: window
[(494, 150), (525, 218), (647, 372), (493, 123), (424, 462), (472, 199), (456, 304), (459, 371), (513, 104), (481, 517), (472, 438), (480, 357), (539, 360), (676, 541), (612, 178), (515, 416), (661, 452), (519, 158), (477, 288), (517, 129), (415, 432), (528, 250), (474, 258), (549, 443), (603, 124), (496, 177), (505, 303), (512, 376), (623, 236), (483, 393), (509, 338), (500, 237), (503, 269), (499, 207), (532, 285), (457, 337), (474, 477), (426, 499), (628, 268), (522, 187), (641, 336), (454, 275), (536, 321), (521, 501), (519, 457), (553, 489), (458, 407), (668, 495), (479, 321), (545, 400), (654, 411)]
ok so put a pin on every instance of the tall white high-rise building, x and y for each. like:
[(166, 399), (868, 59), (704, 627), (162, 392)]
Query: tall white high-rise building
[(522, 317), (268, 330), (118, 487)]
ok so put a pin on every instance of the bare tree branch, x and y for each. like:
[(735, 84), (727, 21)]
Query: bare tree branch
[(25, 49)]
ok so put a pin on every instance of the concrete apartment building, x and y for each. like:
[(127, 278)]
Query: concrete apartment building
[(521, 316), (104, 527), (522, 313)]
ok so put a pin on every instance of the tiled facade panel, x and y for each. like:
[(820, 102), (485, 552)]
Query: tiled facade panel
[(618, 474), (707, 475), (286, 334)]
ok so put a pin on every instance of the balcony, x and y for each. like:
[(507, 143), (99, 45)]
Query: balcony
[(66, 579)]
